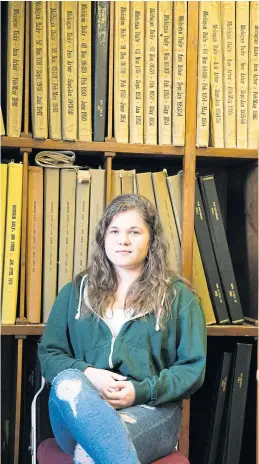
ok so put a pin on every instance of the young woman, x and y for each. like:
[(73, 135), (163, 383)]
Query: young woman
[(123, 345)]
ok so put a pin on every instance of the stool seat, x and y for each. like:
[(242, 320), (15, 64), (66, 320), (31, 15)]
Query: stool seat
[(49, 452)]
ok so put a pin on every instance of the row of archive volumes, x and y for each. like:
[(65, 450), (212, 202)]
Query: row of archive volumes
[(64, 207), (69, 71), (229, 407), (227, 98), (68, 68)]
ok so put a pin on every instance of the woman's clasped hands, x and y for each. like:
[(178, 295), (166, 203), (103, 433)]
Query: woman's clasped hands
[(113, 387)]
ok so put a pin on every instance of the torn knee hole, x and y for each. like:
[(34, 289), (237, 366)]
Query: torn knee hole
[(128, 419)]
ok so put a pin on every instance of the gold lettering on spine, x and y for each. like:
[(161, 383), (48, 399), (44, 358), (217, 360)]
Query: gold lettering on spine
[(53, 26), (242, 34), (84, 67), (15, 54), (203, 100), (69, 70), (229, 72), (165, 73), (39, 70), (150, 76), (179, 71), (136, 71)]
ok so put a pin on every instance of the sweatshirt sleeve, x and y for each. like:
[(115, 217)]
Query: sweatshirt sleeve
[(55, 351), (187, 374)]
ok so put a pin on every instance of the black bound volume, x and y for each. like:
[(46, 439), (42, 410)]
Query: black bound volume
[(238, 403), (219, 403), (101, 23), (220, 245), (209, 260)]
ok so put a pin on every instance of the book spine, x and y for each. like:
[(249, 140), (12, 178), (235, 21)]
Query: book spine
[(121, 72), (165, 41), (208, 260), (179, 72), (12, 243), (15, 65), (50, 248), (203, 82), (34, 244), (167, 219), (2, 127), (115, 183), (136, 72), (220, 245), (218, 408), (84, 72), (101, 69), (97, 202), (216, 96), (242, 35), (3, 180), (127, 182), (238, 402), (228, 23), (66, 229), (150, 73), (145, 186), (39, 82), (69, 69), (81, 221), (54, 84), (253, 131)]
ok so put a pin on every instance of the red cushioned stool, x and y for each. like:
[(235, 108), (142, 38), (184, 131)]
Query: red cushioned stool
[(49, 453)]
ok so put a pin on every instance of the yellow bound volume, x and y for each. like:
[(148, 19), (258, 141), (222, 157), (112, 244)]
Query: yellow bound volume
[(165, 38), (15, 64), (39, 79), (179, 72), (136, 71), (242, 36), (121, 72), (66, 226), (54, 84), (150, 73), (3, 218), (34, 244), (216, 76), (81, 221), (228, 24), (12, 243), (69, 69), (167, 219), (84, 72), (253, 134), (50, 247), (203, 81)]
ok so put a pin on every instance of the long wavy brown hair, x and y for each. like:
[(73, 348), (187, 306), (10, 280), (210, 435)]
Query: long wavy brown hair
[(153, 287)]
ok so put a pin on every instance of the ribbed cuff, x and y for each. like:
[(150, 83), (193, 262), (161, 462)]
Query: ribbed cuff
[(80, 365), (142, 392)]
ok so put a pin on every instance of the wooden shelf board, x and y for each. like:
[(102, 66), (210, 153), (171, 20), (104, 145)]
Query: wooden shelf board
[(129, 148), (112, 147), (232, 330), (227, 152), (212, 330)]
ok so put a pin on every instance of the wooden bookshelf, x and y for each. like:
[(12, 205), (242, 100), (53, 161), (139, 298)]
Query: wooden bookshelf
[(128, 148), (244, 330), (25, 144)]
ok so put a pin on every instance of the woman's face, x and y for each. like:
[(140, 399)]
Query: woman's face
[(127, 241)]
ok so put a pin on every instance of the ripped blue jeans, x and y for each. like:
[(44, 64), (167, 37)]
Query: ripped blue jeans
[(87, 426)]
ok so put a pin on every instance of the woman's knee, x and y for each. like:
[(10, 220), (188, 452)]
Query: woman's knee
[(69, 383)]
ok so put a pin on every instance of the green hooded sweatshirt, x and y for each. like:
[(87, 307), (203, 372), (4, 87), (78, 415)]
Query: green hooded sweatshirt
[(163, 365)]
